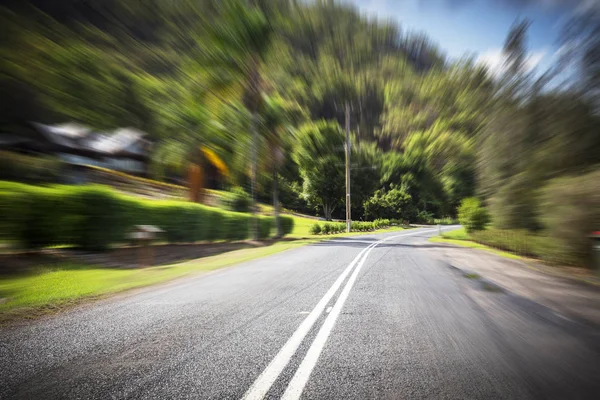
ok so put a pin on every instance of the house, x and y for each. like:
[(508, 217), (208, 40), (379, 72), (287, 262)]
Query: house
[(125, 149)]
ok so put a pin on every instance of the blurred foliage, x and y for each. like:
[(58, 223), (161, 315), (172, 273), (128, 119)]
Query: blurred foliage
[(277, 77), (30, 169), (95, 218), (394, 203), (472, 215), (236, 200)]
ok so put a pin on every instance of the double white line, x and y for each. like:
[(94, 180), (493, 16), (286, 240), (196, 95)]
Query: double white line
[(263, 383)]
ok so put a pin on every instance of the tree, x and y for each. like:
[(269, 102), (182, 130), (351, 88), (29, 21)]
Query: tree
[(319, 154), (394, 203), (236, 44), (278, 119)]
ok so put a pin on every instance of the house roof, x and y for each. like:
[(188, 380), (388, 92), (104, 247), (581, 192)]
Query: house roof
[(79, 137)]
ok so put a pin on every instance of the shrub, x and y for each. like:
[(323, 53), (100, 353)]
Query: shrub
[(381, 223), (394, 203), (327, 228), (445, 221), (339, 227), (23, 168), (236, 200), (472, 215), (425, 217), (315, 229), (94, 217), (569, 210), (287, 224), (99, 211), (360, 226), (265, 224)]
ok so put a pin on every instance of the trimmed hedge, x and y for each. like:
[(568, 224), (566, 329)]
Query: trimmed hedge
[(95, 217), (356, 226)]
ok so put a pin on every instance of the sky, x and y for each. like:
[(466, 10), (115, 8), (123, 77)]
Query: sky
[(479, 27)]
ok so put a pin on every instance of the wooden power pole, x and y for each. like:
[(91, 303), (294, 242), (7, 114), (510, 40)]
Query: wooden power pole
[(348, 216)]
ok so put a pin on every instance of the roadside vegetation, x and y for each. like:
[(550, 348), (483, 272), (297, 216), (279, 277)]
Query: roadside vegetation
[(563, 241), (271, 88)]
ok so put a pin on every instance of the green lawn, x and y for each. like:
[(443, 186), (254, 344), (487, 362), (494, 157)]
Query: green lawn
[(52, 287), (460, 237), (457, 234), (302, 226)]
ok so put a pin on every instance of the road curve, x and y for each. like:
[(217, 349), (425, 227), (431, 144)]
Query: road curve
[(373, 316)]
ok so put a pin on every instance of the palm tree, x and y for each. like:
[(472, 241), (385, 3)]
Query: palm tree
[(236, 45)]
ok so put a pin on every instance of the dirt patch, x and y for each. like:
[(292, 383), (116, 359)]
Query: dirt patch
[(122, 257)]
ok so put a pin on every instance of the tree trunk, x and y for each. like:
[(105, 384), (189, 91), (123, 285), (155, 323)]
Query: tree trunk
[(276, 204), (328, 211), (196, 177)]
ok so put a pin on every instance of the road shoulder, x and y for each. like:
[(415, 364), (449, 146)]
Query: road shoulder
[(566, 297)]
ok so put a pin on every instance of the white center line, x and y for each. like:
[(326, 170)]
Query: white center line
[(296, 386), (263, 383)]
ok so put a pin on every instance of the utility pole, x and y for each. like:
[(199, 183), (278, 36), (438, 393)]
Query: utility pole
[(254, 161), (348, 216)]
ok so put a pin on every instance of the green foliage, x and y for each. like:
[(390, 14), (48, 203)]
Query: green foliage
[(287, 224), (361, 226), (381, 223), (29, 169), (265, 225), (236, 200), (472, 215), (424, 217), (445, 221), (319, 155), (332, 228), (570, 212), (94, 218), (394, 203), (315, 229), (521, 242)]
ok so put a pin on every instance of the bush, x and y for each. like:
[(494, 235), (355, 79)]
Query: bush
[(23, 168), (569, 211), (472, 215), (327, 228), (445, 221), (236, 200), (315, 229), (287, 224), (339, 227), (381, 223), (394, 203), (424, 217), (99, 211), (265, 224), (94, 217)]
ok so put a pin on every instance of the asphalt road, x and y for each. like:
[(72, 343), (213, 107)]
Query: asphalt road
[(343, 319)]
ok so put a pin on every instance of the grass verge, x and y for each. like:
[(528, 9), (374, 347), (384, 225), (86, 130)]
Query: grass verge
[(473, 245), (52, 288), (460, 237)]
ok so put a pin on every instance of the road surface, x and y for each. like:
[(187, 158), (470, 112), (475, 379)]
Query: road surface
[(375, 316)]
